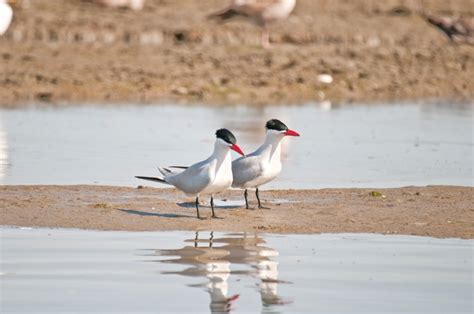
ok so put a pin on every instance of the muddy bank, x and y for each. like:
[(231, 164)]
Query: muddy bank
[(438, 211), (73, 51)]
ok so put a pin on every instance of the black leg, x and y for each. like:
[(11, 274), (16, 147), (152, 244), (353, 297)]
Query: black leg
[(246, 199), (197, 206), (212, 207), (258, 199)]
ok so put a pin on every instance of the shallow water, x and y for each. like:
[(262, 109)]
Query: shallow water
[(348, 146), (57, 271)]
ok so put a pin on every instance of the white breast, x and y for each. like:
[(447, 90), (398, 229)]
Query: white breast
[(256, 169), (270, 172), (222, 178)]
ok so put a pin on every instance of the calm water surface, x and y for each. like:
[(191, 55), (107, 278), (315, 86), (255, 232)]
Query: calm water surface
[(347, 146), (59, 271)]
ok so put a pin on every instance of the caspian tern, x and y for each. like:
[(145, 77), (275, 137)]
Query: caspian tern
[(264, 164), (262, 13), (207, 177), (6, 14)]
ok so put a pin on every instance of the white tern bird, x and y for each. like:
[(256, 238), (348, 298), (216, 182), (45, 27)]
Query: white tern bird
[(264, 164), (261, 12), (207, 177)]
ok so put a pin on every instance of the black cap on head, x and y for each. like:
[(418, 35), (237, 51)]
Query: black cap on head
[(275, 124), (226, 135)]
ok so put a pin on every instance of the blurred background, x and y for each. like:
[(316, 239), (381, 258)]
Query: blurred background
[(61, 51), (406, 65)]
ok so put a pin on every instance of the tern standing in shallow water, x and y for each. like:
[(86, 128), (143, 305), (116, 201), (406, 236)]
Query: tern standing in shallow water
[(207, 177), (264, 164)]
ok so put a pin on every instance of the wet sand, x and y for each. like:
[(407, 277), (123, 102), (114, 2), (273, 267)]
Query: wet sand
[(72, 52), (437, 211)]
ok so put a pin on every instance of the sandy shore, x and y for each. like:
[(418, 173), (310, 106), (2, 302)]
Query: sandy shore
[(71, 51), (438, 211)]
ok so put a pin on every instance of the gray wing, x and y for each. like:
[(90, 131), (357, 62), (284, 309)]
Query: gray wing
[(192, 180), (246, 169)]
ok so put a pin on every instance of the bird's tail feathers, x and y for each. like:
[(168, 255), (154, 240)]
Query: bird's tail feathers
[(165, 171), (171, 170), (154, 179), (179, 167)]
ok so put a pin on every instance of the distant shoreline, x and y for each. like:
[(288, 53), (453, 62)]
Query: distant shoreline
[(436, 211)]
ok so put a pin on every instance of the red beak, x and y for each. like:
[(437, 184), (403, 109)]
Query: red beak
[(291, 133), (236, 148)]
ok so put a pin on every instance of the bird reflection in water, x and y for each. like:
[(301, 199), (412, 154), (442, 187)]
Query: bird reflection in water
[(212, 258)]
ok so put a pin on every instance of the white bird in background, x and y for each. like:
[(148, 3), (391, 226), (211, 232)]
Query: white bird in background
[(135, 5), (262, 13), (6, 15), (207, 177), (264, 164)]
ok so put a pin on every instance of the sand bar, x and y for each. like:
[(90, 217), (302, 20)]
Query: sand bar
[(437, 211)]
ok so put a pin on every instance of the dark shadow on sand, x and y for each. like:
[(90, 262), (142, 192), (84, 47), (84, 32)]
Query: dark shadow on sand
[(164, 215)]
